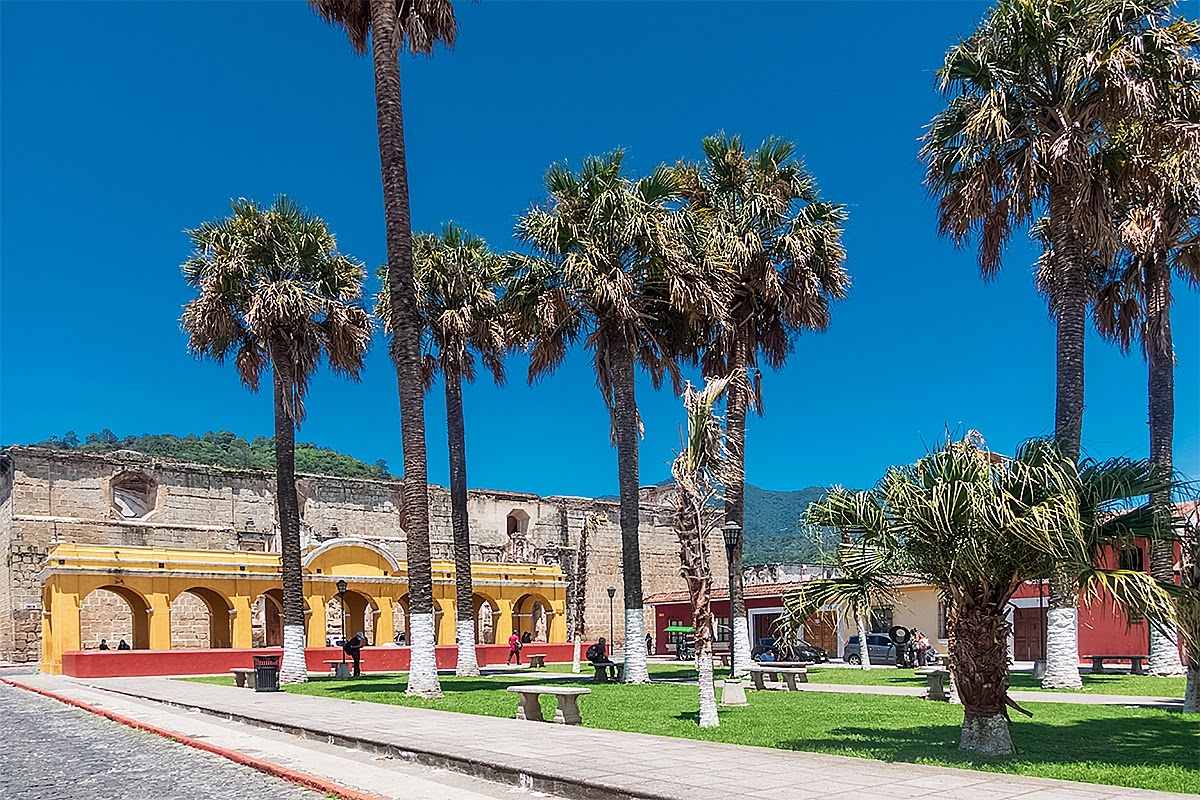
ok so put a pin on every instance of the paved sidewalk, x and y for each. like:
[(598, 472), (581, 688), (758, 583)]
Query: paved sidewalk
[(586, 763)]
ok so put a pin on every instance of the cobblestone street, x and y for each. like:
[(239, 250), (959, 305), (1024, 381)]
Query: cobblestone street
[(52, 751)]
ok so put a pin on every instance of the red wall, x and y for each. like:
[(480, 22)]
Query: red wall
[(663, 614), (130, 663)]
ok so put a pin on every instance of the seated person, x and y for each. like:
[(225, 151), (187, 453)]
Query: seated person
[(597, 656)]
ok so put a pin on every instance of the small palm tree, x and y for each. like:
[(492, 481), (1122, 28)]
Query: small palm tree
[(1031, 95), (591, 523), (780, 247), (274, 292), (611, 270), (419, 26), (977, 525), (458, 283)]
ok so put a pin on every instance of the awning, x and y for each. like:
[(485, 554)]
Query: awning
[(679, 629)]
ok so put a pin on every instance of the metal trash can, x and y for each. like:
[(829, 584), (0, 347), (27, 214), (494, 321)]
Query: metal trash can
[(266, 673)]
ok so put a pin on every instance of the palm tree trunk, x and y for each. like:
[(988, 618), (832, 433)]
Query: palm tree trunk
[(1160, 359), (735, 492), (405, 346), (863, 653), (468, 664), (697, 574), (293, 669), (581, 588), (625, 421), (981, 677), (1069, 301)]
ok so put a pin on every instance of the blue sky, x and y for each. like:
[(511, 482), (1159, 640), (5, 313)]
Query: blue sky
[(144, 119)]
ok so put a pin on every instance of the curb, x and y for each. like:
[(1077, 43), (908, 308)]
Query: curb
[(283, 773)]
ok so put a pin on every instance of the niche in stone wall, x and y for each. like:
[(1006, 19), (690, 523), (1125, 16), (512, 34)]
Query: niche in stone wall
[(133, 495), (516, 551)]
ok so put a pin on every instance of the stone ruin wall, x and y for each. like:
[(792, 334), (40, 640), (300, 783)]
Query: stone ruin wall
[(49, 496)]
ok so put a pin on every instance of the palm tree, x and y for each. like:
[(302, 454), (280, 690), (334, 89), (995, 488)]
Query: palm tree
[(856, 593), (591, 523), (611, 271), (976, 526), (781, 247), (1156, 175), (418, 25), (274, 291), (458, 281), (1030, 94), (698, 472)]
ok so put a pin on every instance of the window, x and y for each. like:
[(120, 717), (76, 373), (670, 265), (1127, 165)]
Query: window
[(675, 637), (720, 628), (133, 495), (1131, 558), (881, 619)]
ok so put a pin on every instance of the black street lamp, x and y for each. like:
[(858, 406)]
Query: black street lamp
[(341, 587), (612, 592), (733, 537)]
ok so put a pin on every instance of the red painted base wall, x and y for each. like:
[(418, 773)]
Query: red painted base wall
[(133, 663)]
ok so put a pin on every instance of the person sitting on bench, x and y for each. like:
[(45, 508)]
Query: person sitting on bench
[(353, 649), (597, 656)]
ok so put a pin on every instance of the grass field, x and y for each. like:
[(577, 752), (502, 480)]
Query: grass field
[(1146, 748)]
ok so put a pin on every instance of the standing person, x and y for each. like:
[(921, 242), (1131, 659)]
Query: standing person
[(104, 644), (649, 645), (514, 648), (353, 649)]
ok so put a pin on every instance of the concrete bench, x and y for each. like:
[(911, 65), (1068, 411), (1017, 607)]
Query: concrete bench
[(567, 713), (790, 675), (537, 660), (725, 658), (339, 668), (601, 675), (245, 677), (936, 679), (1135, 663)]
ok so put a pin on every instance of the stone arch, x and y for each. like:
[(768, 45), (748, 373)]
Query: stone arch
[(362, 614), (401, 621), (328, 555), (400, 627), (114, 613), (200, 618), (487, 614), (517, 523), (132, 494), (532, 613), (266, 619)]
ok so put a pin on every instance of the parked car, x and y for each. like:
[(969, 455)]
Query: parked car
[(880, 648), (802, 651)]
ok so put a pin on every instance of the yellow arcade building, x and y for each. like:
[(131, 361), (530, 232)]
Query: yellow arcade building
[(242, 594)]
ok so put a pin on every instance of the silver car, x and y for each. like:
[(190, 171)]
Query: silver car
[(879, 647)]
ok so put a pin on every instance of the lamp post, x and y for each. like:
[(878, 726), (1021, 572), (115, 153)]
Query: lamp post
[(341, 587), (732, 532), (612, 592)]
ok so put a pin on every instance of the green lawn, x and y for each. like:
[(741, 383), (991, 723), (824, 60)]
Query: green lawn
[(1136, 685), (1147, 748)]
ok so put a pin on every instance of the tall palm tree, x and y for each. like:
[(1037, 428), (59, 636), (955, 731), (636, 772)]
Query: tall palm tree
[(418, 26), (458, 284), (1156, 175), (976, 526), (781, 246), (610, 271), (274, 291), (1030, 94)]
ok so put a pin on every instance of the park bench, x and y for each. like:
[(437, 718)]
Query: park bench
[(1135, 663), (937, 679), (245, 677), (601, 675), (790, 675), (339, 668), (530, 708), (724, 657), (537, 660)]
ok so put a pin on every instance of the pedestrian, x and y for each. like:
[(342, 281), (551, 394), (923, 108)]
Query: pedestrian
[(123, 645), (514, 648), (353, 648), (526, 637), (649, 645), (104, 644), (597, 656)]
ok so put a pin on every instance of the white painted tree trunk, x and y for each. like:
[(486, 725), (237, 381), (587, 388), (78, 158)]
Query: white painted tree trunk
[(708, 691), (468, 664), (1062, 649), (741, 646), (863, 652), (1191, 692), (1164, 653), (575, 658), (422, 668), (293, 668), (635, 647), (986, 735)]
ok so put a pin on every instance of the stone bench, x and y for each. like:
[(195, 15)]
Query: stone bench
[(936, 679), (245, 677), (567, 712), (601, 675), (537, 660), (339, 668), (790, 675), (1135, 663)]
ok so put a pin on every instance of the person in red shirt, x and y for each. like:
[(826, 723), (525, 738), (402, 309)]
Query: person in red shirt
[(514, 648)]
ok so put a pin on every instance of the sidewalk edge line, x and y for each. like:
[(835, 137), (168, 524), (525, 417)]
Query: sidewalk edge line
[(275, 770)]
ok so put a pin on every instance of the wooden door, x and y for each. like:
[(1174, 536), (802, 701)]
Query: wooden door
[(1028, 625), (821, 630)]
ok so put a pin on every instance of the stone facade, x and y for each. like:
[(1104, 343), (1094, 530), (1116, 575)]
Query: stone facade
[(131, 499)]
